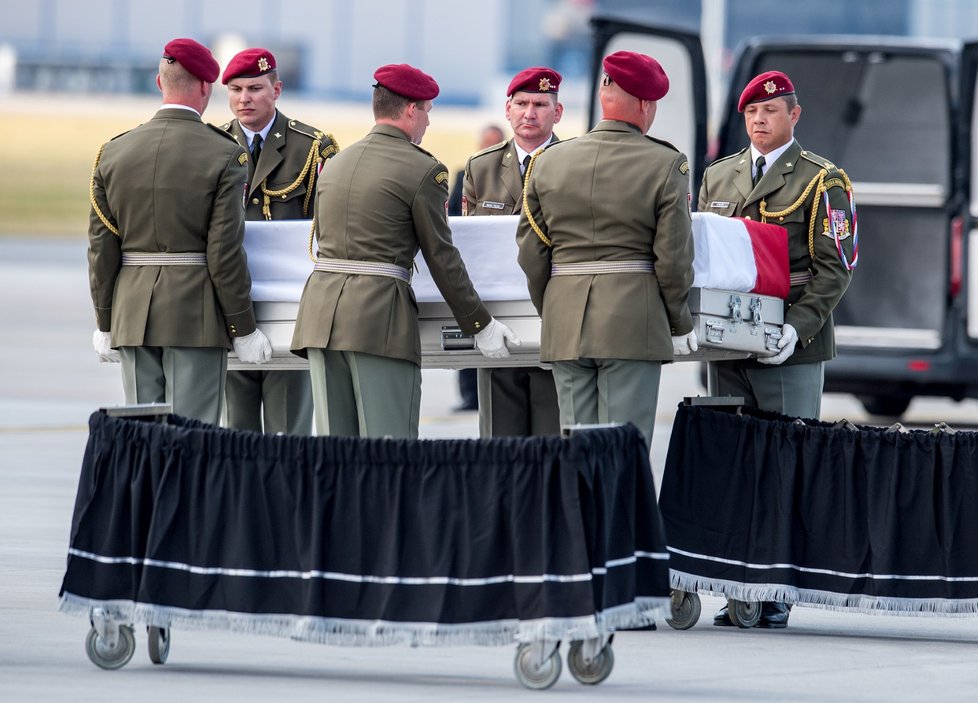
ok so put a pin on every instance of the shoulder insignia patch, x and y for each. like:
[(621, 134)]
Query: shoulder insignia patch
[(441, 176), (684, 167), (836, 224), (243, 159), (328, 151)]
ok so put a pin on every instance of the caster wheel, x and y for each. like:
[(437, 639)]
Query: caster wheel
[(744, 613), (686, 608), (593, 672), (533, 676), (107, 657), (159, 644)]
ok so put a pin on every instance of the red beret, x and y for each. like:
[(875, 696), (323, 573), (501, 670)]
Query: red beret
[(766, 86), (538, 79), (407, 81), (637, 74), (249, 63), (194, 57)]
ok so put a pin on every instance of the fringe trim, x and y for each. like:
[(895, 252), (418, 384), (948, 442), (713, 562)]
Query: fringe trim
[(642, 611), (826, 600)]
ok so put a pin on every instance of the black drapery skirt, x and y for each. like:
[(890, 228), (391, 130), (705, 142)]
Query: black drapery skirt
[(758, 506), (366, 541)]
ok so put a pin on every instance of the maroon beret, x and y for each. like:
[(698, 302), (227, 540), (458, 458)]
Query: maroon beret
[(538, 79), (249, 63), (407, 81), (766, 86), (193, 56), (637, 74)]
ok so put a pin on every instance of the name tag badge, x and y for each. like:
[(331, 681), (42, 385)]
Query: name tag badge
[(719, 204), (491, 205)]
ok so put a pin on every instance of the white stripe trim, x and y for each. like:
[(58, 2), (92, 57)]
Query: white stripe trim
[(828, 572), (364, 268), (163, 258), (366, 578), (591, 268)]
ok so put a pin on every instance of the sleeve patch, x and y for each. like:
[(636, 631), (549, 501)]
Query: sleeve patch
[(836, 224), (243, 158), (684, 167), (441, 177)]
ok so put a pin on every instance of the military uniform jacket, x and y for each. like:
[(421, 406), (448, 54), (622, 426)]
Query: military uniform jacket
[(611, 195), (493, 182), (173, 184), (382, 200), (283, 186), (727, 190)]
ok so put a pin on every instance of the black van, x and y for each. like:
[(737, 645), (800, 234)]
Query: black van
[(898, 115)]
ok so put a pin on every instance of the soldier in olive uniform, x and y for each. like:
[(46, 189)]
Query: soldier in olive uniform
[(515, 401), (168, 273), (287, 156), (380, 202), (605, 241), (775, 180)]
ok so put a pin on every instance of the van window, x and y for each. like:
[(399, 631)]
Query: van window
[(858, 111)]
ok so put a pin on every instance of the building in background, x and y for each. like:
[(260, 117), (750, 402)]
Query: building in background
[(333, 46)]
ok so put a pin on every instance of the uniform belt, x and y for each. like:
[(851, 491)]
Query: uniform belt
[(364, 268), (163, 258), (590, 268), (799, 278)]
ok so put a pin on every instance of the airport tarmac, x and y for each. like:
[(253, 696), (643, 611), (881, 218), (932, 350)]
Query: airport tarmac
[(50, 382)]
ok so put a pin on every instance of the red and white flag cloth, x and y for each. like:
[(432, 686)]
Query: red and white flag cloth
[(732, 253)]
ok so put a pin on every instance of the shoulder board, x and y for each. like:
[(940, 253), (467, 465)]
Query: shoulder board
[(817, 160), (121, 134), (663, 142), (222, 132), (730, 156), (423, 151), (308, 131), (490, 149)]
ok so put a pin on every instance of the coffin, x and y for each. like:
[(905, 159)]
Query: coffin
[(279, 261)]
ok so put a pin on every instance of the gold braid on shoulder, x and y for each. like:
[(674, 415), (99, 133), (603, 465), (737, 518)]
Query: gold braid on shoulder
[(526, 208), (312, 158), (91, 196), (820, 184), (312, 235)]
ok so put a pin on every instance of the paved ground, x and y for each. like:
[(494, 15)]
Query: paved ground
[(50, 383)]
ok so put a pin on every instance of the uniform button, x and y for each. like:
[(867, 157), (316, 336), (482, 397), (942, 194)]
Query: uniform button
[(780, 219), (254, 201), (746, 217), (283, 197), (233, 328)]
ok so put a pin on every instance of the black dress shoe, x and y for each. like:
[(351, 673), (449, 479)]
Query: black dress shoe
[(774, 615), (722, 618)]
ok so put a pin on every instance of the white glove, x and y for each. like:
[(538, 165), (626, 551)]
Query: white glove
[(102, 341), (685, 344), (789, 338), (492, 340), (253, 348)]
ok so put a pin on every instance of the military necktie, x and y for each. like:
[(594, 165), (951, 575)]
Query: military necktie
[(760, 170), (526, 166), (255, 148)]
